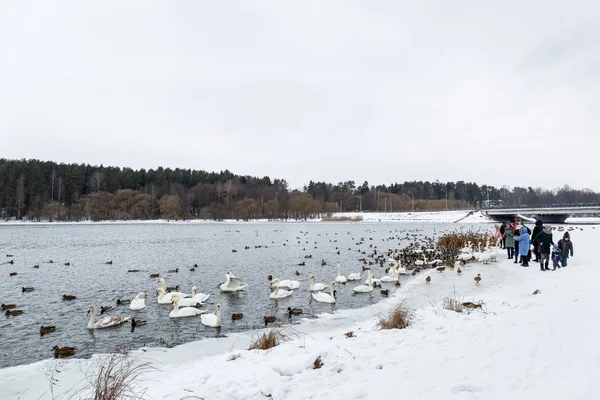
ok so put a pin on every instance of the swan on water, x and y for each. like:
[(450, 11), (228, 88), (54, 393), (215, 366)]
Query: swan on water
[(340, 278), (291, 285), (354, 276), (279, 293), (105, 322), (199, 296), (365, 288), (212, 320), (232, 284), (163, 286), (392, 275), (182, 312), (316, 287), (325, 297), (139, 303)]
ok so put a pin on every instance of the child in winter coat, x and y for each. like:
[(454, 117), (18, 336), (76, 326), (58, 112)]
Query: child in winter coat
[(556, 255), (566, 246)]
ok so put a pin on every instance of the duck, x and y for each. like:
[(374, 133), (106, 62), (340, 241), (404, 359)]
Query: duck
[(133, 270), (212, 320), (139, 303), (297, 273), (269, 319), (13, 313), (326, 297), (340, 278), (279, 293), (368, 287), (459, 271), (302, 264), (232, 284), (68, 297), (137, 322), (441, 269), (63, 352), (121, 302), (428, 279), (173, 271), (104, 309), (27, 289), (154, 275), (323, 262), (398, 283), (385, 292), (182, 312), (44, 330), (8, 306), (294, 311), (12, 274), (67, 264), (202, 297), (236, 316), (108, 262), (477, 279), (106, 322), (36, 266), (315, 287)]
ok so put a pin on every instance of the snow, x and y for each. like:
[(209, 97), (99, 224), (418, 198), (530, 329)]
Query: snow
[(521, 346), (466, 216)]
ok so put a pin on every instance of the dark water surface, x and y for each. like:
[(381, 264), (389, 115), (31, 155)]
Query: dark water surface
[(157, 248)]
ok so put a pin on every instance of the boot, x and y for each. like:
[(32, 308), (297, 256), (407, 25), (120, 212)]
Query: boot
[(525, 264), (547, 269)]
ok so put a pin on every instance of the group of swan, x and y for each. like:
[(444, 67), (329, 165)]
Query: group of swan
[(354, 276), (278, 292), (368, 286), (489, 253)]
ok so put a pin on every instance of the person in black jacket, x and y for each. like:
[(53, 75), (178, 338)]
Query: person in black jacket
[(539, 227), (502, 231), (544, 238), (566, 246)]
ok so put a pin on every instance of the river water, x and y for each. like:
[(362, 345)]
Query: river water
[(158, 248)]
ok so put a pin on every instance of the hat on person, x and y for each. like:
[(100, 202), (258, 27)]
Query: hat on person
[(566, 235)]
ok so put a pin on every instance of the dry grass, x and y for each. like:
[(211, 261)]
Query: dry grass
[(454, 303), (332, 218), (268, 339), (459, 239), (117, 378), (399, 318), (318, 363)]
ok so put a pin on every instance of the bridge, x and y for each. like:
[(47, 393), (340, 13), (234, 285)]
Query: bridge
[(555, 213)]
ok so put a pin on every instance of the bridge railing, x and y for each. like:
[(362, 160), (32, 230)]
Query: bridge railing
[(565, 205)]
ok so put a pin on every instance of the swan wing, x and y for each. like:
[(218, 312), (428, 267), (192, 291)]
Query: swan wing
[(323, 297), (202, 297)]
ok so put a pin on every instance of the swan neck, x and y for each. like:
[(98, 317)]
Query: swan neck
[(218, 317), (92, 318), (163, 284)]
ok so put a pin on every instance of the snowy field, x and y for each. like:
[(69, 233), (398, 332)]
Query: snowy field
[(520, 346), (465, 216)]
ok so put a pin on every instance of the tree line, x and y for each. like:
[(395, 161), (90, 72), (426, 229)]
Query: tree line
[(45, 190)]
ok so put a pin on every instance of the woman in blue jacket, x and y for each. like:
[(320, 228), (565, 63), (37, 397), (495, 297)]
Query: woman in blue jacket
[(524, 243)]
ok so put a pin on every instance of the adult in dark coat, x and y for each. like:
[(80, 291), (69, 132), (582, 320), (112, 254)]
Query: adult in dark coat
[(502, 232), (566, 247), (544, 238), (539, 227)]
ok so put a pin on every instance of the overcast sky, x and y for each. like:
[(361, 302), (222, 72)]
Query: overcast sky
[(503, 93)]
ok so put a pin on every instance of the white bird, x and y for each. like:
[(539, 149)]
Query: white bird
[(165, 298), (279, 293), (315, 287), (139, 303), (105, 322), (287, 284), (182, 312), (365, 288), (232, 284), (325, 297), (354, 276), (163, 286), (212, 320), (340, 278), (392, 275), (199, 296), (422, 262)]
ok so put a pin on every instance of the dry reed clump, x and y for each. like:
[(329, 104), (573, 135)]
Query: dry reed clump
[(116, 378), (332, 218), (452, 304), (269, 339), (399, 318), (460, 239), (318, 363)]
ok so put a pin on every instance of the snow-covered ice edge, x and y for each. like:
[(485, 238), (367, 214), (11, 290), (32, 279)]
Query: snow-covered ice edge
[(521, 346)]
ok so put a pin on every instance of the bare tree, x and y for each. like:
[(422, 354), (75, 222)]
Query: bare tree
[(96, 181), (60, 187), (52, 181), (20, 195)]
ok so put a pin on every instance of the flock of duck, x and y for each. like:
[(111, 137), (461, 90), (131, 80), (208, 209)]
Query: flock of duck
[(420, 254)]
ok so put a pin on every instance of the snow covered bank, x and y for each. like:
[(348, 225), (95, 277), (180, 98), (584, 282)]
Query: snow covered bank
[(466, 216), (521, 346)]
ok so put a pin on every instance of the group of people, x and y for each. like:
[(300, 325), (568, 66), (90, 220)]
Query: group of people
[(520, 242)]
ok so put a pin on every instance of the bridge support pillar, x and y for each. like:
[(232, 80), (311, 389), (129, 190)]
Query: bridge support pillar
[(553, 218)]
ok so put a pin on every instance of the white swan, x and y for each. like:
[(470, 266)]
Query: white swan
[(392, 275), (354, 276), (163, 286), (340, 278), (199, 296), (286, 283), (165, 298), (232, 284), (182, 312), (325, 297), (316, 287), (139, 303), (105, 322), (365, 288), (212, 320), (279, 293), (422, 262)]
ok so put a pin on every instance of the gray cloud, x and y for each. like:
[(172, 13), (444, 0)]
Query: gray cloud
[(381, 91)]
